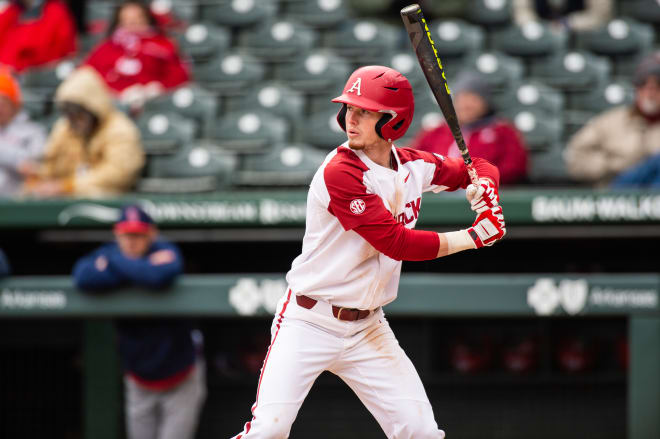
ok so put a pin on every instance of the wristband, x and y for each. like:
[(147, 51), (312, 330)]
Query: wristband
[(459, 241)]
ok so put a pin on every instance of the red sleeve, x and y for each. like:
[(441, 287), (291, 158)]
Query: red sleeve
[(365, 213), (449, 171), (176, 72)]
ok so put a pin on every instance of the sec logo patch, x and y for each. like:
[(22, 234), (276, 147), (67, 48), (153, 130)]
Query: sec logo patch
[(357, 206)]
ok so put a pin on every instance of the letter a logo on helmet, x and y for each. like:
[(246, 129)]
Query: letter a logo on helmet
[(380, 89), (356, 85)]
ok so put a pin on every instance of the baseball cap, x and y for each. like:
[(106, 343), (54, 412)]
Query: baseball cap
[(9, 86), (649, 66), (134, 220)]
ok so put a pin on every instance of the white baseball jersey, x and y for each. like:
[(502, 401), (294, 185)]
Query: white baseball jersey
[(353, 201)]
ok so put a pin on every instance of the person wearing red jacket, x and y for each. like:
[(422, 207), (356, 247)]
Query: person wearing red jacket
[(486, 135), (137, 60), (35, 32)]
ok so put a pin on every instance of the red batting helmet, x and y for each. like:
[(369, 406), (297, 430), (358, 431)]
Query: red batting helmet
[(382, 89)]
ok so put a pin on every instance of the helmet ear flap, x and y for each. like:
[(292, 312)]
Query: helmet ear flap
[(379, 125), (341, 117)]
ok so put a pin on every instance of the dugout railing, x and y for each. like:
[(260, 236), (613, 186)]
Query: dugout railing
[(576, 296)]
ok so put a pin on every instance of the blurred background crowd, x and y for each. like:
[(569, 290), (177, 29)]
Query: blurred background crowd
[(184, 96)]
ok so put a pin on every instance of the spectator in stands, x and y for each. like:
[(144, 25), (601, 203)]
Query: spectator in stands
[(137, 60), (164, 376), (94, 149), (565, 15), (646, 174), (35, 32), (21, 141), (4, 265), (486, 135), (621, 137)]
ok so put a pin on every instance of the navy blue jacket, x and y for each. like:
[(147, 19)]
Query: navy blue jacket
[(151, 349)]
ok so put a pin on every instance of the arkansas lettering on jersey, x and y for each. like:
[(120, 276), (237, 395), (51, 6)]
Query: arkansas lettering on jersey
[(360, 220)]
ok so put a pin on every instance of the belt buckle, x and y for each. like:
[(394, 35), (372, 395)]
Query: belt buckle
[(339, 312)]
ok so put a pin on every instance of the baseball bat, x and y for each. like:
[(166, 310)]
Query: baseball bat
[(427, 55)]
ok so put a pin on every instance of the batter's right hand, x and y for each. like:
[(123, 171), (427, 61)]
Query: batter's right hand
[(488, 228)]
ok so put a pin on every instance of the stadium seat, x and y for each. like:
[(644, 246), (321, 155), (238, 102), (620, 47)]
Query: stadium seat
[(249, 131), (499, 69), (366, 8), (322, 130), (547, 166), (405, 62), (642, 10), (231, 73), (184, 10), (532, 39), (198, 167), (44, 80), (203, 41), (237, 13), (455, 38), (191, 102), (576, 70), (36, 104), (530, 94), (619, 37), (278, 39), (540, 129), (274, 97), (588, 104), (164, 133), (284, 165), (316, 72), (316, 13), (363, 40), (489, 13)]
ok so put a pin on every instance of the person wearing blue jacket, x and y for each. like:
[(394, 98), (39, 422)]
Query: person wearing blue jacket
[(646, 174), (163, 369)]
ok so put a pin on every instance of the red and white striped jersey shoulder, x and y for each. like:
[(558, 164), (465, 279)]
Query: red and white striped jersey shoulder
[(352, 199)]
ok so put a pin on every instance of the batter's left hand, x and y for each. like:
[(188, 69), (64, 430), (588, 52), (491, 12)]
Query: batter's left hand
[(482, 197)]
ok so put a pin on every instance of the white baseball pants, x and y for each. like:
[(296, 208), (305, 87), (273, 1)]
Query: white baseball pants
[(364, 354)]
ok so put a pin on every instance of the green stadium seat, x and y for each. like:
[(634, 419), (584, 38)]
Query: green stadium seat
[(316, 72), (278, 40), (198, 167), (619, 37), (489, 13), (588, 104), (316, 13), (499, 69), (530, 94), (44, 80), (625, 65), (532, 39), (365, 8), (454, 38), (250, 131), (540, 129), (547, 166), (36, 104), (576, 70), (231, 73), (203, 41), (642, 10), (164, 133), (237, 13), (322, 130), (191, 102), (99, 10), (273, 97), (405, 62), (184, 10), (363, 40), (284, 165)]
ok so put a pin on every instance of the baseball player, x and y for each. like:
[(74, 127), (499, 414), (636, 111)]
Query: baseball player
[(362, 207)]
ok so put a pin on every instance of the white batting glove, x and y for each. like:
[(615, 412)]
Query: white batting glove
[(488, 228), (482, 197)]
